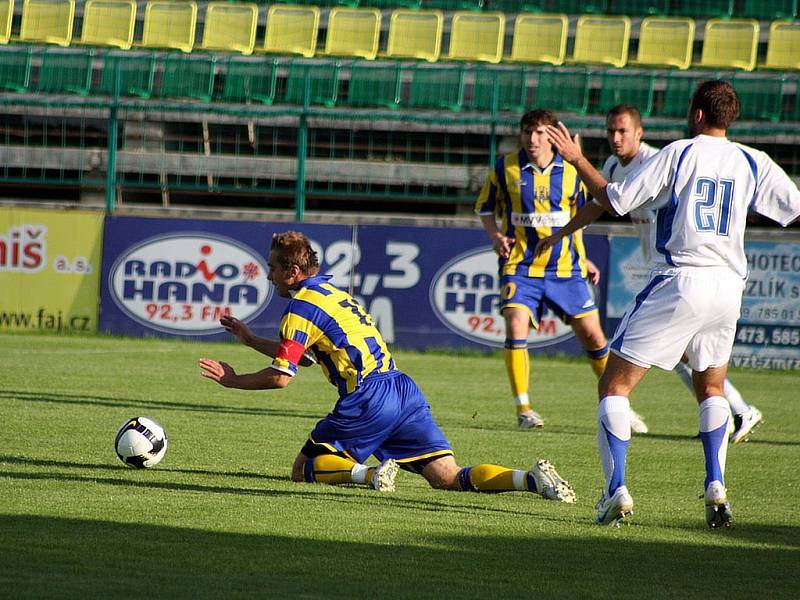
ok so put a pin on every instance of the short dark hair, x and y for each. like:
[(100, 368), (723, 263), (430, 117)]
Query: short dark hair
[(626, 109), (718, 101), (539, 116), (294, 248)]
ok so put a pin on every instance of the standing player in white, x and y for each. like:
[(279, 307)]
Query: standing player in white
[(701, 189), (624, 134)]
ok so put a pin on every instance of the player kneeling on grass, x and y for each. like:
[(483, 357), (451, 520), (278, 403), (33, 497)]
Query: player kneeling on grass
[(380, 410)]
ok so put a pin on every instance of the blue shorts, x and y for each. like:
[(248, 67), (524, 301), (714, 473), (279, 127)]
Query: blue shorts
[(567, 297), (388, 417)]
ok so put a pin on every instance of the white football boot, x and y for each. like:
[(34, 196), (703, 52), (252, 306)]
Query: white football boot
[(530, 420), (744, 424), (718, 511), (384, 475), (550, 484), (637, 423), (612, 510)]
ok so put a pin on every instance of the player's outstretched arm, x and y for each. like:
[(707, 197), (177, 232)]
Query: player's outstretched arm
[(587, 214), (263, 345), (223, 374)]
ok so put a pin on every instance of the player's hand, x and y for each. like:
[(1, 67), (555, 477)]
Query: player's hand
[(592, 272), (544, 245), (220, 372), (237, 328), (568, 146), (502, 245)]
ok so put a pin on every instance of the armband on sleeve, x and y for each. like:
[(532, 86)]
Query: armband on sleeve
[(288, 356)]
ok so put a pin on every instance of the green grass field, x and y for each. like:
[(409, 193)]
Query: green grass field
[(219, 517)]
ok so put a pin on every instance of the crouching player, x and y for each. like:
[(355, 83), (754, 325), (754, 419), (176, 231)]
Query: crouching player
[(380, 410)]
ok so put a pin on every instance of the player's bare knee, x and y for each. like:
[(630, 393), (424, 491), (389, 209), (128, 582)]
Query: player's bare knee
[(298, 469), (442, 474)]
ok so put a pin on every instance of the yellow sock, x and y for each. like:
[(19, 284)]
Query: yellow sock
[(333, 470), (515, 355), (492, 478), (598, 359)]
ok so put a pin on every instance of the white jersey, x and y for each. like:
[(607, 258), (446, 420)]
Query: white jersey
[(643, 218), (702, 189)]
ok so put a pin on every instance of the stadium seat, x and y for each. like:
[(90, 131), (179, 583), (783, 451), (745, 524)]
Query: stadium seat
[(626, 87), (666, 42), (15, 68), (638, 7), (66, 72), (319, 79), (437, 87), (767, 10), (680, 87), (374, 84), (415, 34), (477, 36), (292, 30), (514, 6), (47, 21), (353, 32), (761, 96), (109, 23), (602, 40), (563, 89), (701, 8), (248, 80), (187, 77), (392, 4), (128, 74), (575, 7), (503, 85), (453, 5), (730, 43), (326, 3), (230, 27), (169, 24), (6, 16), (540, 39), (783, 46)]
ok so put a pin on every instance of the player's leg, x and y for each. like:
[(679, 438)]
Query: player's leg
[(317, 464), (590, 334)]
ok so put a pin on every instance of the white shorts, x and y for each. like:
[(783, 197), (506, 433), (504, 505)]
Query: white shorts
[(692, 310)]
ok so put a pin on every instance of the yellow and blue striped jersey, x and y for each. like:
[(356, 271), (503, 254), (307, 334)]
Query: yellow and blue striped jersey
[(532, 203), (338, 331)]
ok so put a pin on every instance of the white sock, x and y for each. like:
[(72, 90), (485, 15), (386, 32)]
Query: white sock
[(359, 473), (614, 418), (522, 399), (734, 398), (683, 371), (715, 415)]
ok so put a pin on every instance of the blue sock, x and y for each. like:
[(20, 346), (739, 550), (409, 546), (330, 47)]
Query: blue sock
[(714, 417), (613, 437)]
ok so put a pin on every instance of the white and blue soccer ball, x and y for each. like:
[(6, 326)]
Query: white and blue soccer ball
[(141, 442)]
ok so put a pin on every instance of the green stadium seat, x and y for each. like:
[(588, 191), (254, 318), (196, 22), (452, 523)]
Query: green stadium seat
[(292, 30), (503, 85), (109, 23), (702, 8), (602, 40), (353, 32), (415, 34), (453, 5), (6, 17), (230, 27), (249, 81), (324, 3), (767, 10), (187, 77), (169, 25), (128, 74), (437, 87), (626, 87), (15, 68), (575, 7), (761, 96), (374, 84), (783, 46), (319, 79), (511, 7), (66, 72), (539, 39), (680, 87), (477, 36), (638, 7), (666, 42), (392, 4), (47, 21), (730, 44), (563, 89)]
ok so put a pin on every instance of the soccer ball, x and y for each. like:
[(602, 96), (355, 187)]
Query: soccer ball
[(141, 442)]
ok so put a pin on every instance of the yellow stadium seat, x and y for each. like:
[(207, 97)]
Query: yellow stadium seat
[(6, 14), (292, 30), (47, 21), (666, 42), (783, 47), (109, 23), (477, 36), (169, 24), (730, 43), (602, 40), (415, 34), (230, 26), (540, 38), (353, 32)]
